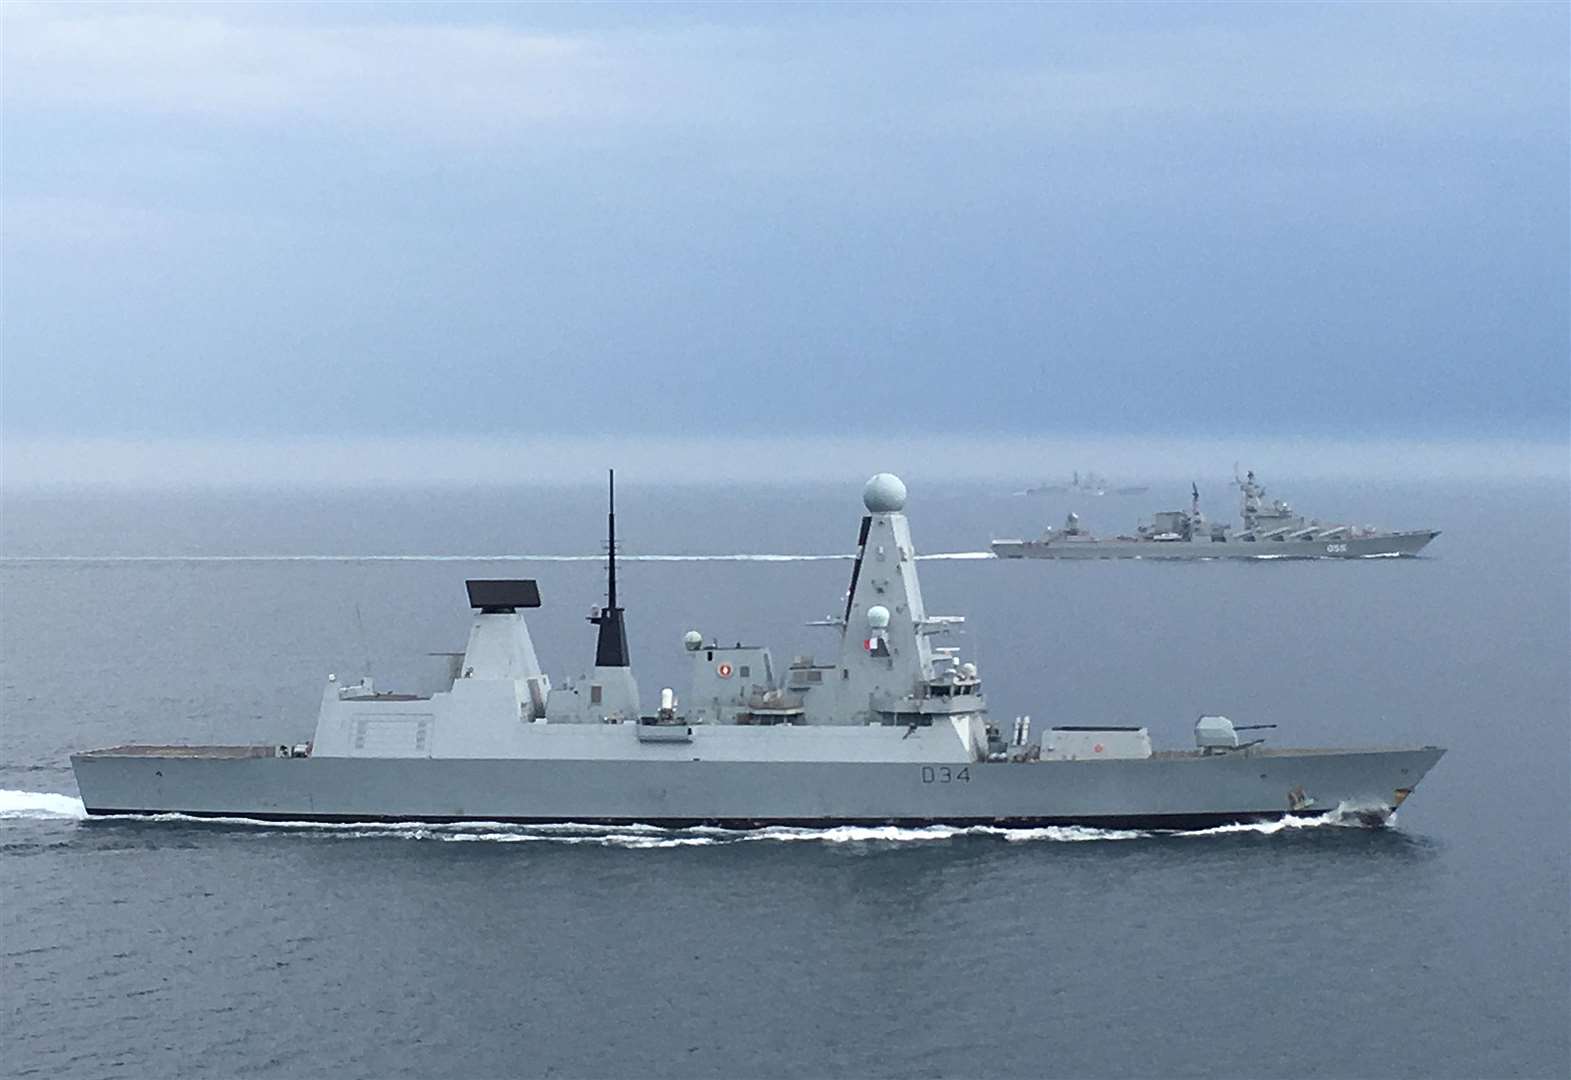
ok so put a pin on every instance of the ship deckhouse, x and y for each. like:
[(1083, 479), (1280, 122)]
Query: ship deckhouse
[(889, 671)]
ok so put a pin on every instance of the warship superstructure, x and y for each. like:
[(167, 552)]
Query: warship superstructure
[(1271, 530), (892, 728), (1089, 484)]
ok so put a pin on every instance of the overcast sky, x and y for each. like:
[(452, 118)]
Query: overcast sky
[(231, 222)]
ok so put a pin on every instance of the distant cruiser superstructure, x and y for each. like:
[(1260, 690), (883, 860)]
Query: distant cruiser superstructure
[(1270, 531), (891, 728), (1088, 484)]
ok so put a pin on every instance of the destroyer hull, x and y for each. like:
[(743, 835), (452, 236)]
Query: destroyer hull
[(1358, 547), (1168, 790)]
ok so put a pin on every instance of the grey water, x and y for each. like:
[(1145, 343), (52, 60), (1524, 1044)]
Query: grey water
[(1436, 947)]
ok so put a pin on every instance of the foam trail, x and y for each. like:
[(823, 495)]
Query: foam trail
[(626, 836), (851, 834), (40, 805), (893, 834), (648, 837), (1342, 817), (51, 806), (734, 557), (740, 556)]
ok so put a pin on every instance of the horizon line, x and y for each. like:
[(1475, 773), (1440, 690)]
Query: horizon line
[(554, 461)]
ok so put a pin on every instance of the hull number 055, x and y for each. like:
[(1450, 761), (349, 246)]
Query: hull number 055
[(943, 774)]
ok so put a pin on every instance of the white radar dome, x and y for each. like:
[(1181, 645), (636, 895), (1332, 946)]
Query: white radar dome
[(878, 616), (884, 494), (692, 640)]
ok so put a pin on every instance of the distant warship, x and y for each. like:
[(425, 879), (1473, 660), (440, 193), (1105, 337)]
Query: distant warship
[(1271, 531), (1089, 484), (891, 729)]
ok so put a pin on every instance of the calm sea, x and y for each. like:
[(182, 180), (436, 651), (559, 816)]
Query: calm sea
[(1437, 947)]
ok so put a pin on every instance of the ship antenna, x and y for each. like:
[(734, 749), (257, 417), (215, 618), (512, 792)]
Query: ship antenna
[(856, 567), (611, 539), (611, 645)]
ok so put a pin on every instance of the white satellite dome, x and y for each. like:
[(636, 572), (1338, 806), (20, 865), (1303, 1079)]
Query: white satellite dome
[(884, 494), (878, 616), (693, 640)]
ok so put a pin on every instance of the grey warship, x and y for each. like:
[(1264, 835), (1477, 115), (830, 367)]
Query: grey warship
[(1270, 531), (1089, 484), (892, 729)]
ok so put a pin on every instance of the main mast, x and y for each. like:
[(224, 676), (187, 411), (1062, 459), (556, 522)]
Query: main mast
[(611, 646)]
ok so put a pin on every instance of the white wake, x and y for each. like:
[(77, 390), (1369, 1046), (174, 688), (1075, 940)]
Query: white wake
[(40, 805), (740, 556), (51, 806)]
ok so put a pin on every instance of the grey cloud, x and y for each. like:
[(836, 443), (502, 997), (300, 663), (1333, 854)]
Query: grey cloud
[(349, 221)]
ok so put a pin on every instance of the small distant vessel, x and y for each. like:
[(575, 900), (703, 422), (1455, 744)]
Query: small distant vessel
[(1270, 531), (1089, 484), (891, 728)]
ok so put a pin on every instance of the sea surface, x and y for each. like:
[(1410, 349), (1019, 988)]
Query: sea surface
[(1437, 947)]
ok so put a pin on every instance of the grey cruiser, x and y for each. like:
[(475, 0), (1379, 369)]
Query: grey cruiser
[(1270, 531), (890, 728)]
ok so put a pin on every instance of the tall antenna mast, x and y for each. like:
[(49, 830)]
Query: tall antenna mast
[(611, 542), (611, 645)]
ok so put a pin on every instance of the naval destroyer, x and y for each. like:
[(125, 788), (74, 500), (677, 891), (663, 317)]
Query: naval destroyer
[(1089, 484), (1270, 531), (893, 728)]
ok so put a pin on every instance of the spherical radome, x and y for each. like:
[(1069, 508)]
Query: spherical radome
[(884, 494), (878, 616), (692, 640)]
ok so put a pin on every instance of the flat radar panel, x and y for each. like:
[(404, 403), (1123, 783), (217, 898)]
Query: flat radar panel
[(493, 596)]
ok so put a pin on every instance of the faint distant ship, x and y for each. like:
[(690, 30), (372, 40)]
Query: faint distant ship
[(1088, 484), (1269, 531)]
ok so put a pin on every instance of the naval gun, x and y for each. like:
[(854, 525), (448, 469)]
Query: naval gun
[(1217, 734)]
